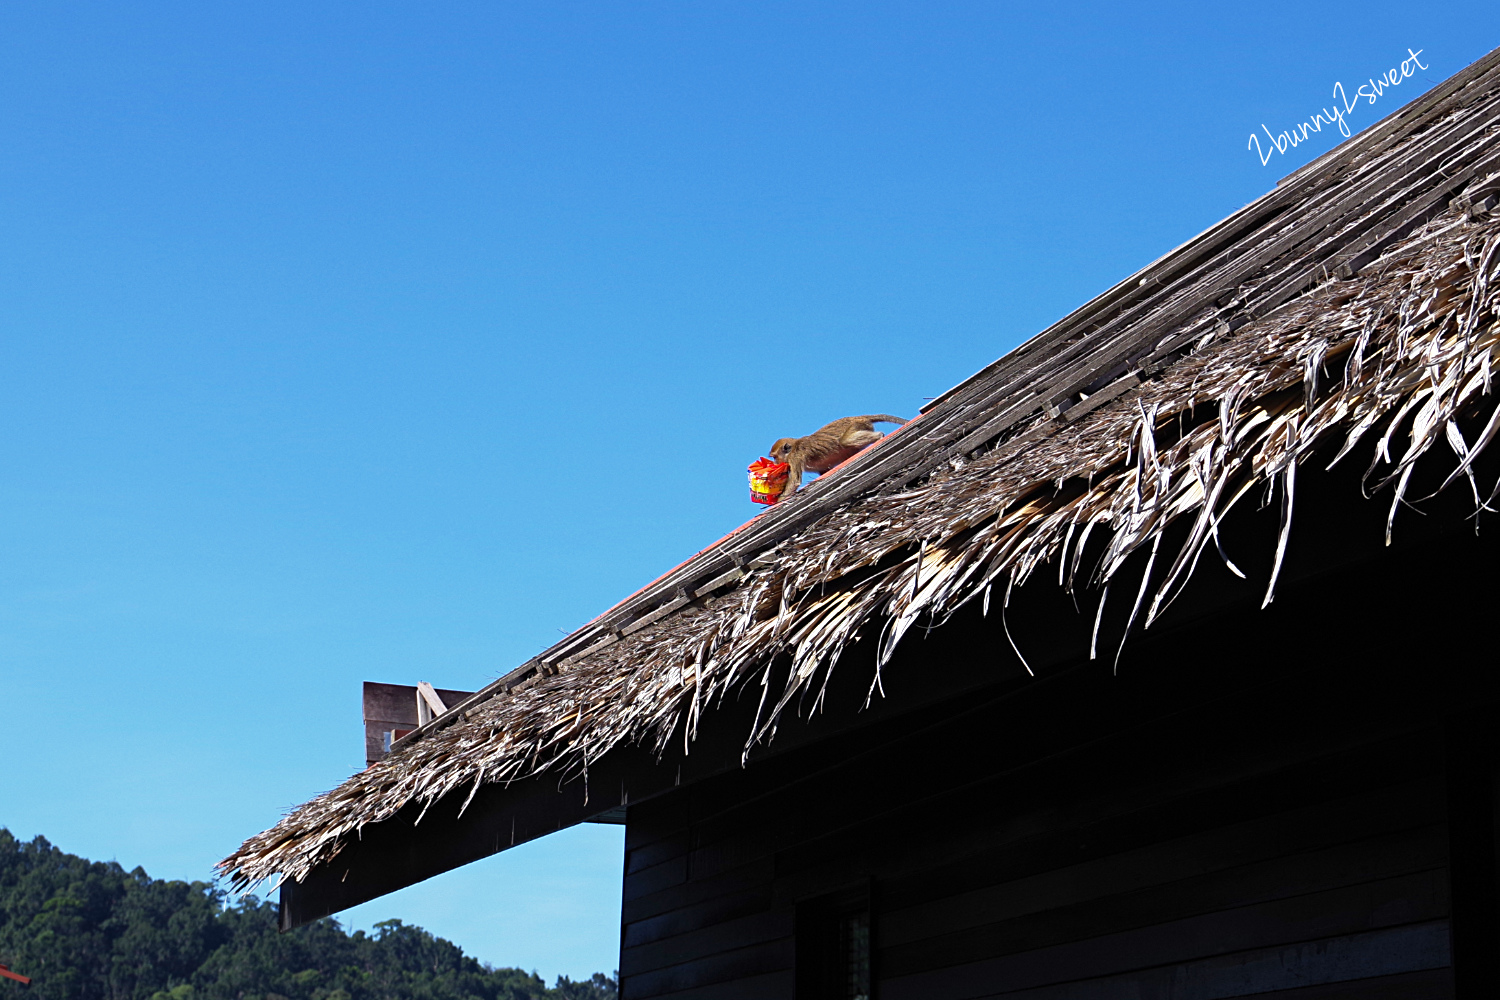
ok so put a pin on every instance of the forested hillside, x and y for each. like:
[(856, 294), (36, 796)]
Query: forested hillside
[(89, 930)]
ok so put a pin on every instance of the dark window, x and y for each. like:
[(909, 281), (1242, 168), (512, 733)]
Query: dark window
[(833, 947), (854, 945)]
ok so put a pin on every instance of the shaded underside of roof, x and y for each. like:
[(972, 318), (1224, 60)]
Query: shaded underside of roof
[(1353, 313)]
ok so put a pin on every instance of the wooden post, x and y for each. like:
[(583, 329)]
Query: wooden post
[(429, 705)]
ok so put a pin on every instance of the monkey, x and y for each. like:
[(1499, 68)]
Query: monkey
[(828, 446)]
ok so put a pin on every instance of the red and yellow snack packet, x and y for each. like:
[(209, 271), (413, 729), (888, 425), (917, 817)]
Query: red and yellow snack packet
[(767, 480)]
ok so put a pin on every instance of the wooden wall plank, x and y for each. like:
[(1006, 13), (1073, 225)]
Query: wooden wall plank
[(1028, 960), (667, 847), (1006, 834), (766, 986), (656, 818), (1429, 984), (688, 917), (723, 967), (707, 940), (1411, 948), (1052, 947), (750, 878), (672, 871), (1420, 858), (1328, 825)]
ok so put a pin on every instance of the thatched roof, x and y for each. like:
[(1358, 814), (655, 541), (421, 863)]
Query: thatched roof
[(1355, 308)]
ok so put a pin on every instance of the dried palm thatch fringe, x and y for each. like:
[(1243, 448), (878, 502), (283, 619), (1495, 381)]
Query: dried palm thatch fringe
[(1395, 356)]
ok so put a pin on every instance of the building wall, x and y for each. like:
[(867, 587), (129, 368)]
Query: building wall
[(1170, 876), (1274, 826)]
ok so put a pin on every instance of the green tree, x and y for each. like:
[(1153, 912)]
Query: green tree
[(86, 930)]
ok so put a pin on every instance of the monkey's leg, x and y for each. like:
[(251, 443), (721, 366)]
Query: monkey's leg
[(860, 439)]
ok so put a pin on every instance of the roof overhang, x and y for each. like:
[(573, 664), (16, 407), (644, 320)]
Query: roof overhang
[(970, 657)]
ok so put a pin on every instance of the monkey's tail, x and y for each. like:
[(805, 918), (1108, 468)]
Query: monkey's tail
[(883, 418)]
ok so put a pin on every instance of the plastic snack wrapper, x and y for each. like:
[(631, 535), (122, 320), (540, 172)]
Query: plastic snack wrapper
[(767, 480)]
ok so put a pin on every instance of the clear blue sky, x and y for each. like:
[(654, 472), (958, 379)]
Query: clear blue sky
[(383, 341)]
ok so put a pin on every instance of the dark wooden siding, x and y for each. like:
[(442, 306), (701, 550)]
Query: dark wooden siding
[(1327, 870), (1180, 831)]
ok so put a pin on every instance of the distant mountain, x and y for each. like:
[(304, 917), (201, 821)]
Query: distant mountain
[(90, 930)]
